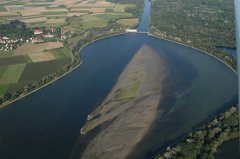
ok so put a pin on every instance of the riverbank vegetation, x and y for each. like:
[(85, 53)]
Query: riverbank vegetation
[(205, 25), (204, 142), (74, 25), (202, 24)]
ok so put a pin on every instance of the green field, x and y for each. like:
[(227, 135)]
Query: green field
[(122, 7), (12, 60), (54, 12), (128, 22), (6, 53), (101, 20), (12, 73), (60, 16), (2, 70), (20, 68), (2, 9), (42, 68), (61, 53), (18, 71)]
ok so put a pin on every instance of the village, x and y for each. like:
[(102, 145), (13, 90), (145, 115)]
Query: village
[(53, 34)]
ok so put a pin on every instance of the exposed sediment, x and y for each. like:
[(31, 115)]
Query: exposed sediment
[(131, 108)]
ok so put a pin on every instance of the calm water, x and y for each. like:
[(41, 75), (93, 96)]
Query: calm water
[(229, 149), (144, 23), (231, 51), (46, 124)]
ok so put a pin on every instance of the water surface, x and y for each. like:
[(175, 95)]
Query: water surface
[(229, 149), (46, 124)]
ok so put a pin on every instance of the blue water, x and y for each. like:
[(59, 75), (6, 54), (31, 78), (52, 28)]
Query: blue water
[(46, 124), (144, 23)]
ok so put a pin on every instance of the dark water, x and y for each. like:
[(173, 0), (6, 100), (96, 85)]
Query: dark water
[(231, 51), (229, 149), (46, 124)]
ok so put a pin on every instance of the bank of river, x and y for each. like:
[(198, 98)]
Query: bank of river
[(229, 50)]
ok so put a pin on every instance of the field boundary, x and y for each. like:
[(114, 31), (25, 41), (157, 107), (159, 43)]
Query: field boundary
[(8, 103)]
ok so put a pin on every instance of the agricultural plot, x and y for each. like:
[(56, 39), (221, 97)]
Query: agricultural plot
[(122, 7), (29, 48), (128, 22), (30, 62), (56, 21), (12, 60), (56, 12), (35, 20), (61, 53), (19, 68), (12, 74), (100, 20), (6, 53), (2, 70), (44, 68), (39, 57)]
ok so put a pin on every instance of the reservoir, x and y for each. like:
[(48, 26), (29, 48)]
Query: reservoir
[(47, 123)]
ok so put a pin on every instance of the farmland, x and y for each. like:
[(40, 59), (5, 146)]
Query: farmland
[(64, 26), (19, 69), (57, 12)]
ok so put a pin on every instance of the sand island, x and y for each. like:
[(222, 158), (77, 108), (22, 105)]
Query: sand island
[(130, 108)]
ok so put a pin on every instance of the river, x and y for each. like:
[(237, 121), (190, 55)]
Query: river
[(229, 149), (46, 124)]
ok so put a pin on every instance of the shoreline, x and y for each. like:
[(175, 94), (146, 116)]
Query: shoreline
[(8, 103), (4, 105), (217, 58), (185, 137)]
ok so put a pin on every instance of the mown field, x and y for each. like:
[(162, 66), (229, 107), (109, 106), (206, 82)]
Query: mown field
[(101, 20), (30, 63), (56, 12)]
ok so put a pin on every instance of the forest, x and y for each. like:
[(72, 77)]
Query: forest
[(15, 29), (204, 24), (203, 142)]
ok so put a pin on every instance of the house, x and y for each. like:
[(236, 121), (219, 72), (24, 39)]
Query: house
[(5, 38), (36, 40), (38, 31), (48, 35)]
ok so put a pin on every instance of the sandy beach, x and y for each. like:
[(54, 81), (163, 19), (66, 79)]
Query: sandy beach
[(130, 108)]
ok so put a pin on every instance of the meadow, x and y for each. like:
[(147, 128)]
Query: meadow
[(20, 67)]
